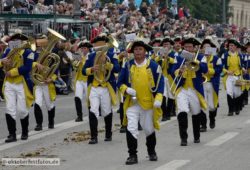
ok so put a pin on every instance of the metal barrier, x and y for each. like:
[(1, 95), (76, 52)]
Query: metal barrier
[(37, 24)]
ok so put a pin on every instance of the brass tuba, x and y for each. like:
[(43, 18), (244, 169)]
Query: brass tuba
[(15, 56), (49, 60), (101, 60)]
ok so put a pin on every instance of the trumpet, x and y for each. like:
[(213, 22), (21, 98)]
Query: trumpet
[(189, 65)]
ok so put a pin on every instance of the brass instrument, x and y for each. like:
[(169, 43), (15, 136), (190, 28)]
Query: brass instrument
[(15, 56), (190, 65), (101, 59), (242, 82), (49, 60)]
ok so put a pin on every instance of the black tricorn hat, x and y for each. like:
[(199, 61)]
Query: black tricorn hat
[(192, 40), (235, 42), (18, 36), (167, 39), (155, 41), (208, 41), (85, 44), (100, 38), (141, 44)]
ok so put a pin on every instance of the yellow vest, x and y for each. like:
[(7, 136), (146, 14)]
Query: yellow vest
[(189, 75), (210, 72), (234, 63), (79, 75), (141, 83)]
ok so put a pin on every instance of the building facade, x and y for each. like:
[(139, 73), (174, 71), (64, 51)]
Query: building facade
[(240, 10)]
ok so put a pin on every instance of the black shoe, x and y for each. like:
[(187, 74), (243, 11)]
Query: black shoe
[(139, 127), (123, 129), (11, 138), (38, 128), (132, 160), (183, 142), (153, 157), (230, 114), (93, 141), (78, 119), (24, 136), (51, 126), (203, 129), (197, 141), (108, 139), (237, 113), (212, 125), (164, 119)]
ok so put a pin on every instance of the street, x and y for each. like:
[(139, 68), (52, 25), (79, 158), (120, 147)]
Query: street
[(224, 148)]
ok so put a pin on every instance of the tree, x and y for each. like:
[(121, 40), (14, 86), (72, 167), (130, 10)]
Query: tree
[(206, 10)]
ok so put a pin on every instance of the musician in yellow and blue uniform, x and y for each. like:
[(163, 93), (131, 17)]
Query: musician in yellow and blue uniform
[(101, 93), (81, 80), (44, 93), (162, 60), (189, 92), (246, 72), (211, 86), (141, 78), (18, 89), (232, 68)]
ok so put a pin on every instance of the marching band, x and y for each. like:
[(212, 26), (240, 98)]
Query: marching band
[(179, 76)]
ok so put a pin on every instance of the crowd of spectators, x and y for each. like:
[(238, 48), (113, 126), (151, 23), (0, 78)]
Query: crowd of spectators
[(153, 20), (37, 7)]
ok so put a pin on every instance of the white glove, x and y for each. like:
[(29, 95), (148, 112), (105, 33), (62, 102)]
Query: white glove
[(131, 91), (157, 104)]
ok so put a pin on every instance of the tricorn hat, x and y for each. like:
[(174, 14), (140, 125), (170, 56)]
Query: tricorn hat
[(141, 44)]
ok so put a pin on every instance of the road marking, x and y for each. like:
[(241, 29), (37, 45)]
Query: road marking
[(173, 165), (168, 121), (222, 139), (34, 135), (247, 122)]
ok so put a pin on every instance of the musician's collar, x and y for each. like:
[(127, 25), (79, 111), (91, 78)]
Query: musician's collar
[(141, 64)]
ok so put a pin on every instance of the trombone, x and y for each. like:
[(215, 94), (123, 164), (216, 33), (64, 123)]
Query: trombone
[(190, 65)]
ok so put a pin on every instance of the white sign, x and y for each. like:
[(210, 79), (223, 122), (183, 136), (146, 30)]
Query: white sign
[(130, 37), (15, 44), (187, 55), (210, 51)]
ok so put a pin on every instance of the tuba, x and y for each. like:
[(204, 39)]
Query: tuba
[(101, 60), (49, 60), (15, 54)]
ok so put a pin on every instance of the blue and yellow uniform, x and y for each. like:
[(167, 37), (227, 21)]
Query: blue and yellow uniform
[(101, 93), (232, 62), (17, 90), (151, 71), (47, 93)]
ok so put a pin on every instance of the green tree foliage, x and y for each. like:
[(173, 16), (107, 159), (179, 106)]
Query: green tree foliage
[(210, 10)]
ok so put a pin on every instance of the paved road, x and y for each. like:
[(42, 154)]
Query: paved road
[(224, 148)]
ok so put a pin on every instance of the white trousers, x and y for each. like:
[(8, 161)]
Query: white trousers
[(165, 92), (208, 93), (100, 97), (187, 101), (15, 100), (81, 90), (232, 90), (135, 114), (42, 93), (169, 93)]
